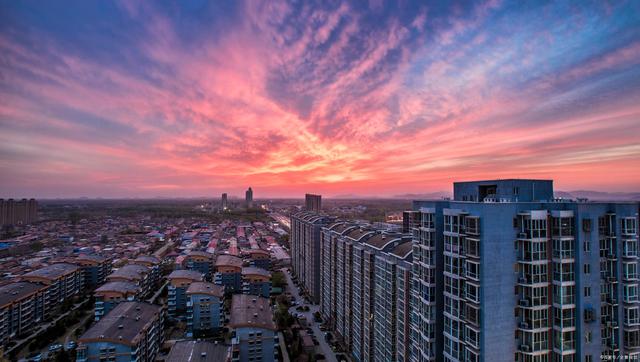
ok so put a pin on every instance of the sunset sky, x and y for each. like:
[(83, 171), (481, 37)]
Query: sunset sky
[(189, 98)]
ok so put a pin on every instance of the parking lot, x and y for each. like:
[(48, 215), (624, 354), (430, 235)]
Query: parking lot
[(323, 347)]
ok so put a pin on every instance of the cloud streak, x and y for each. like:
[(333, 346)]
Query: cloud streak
[(195, 99)]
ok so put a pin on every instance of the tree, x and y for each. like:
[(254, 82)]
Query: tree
[(278, 280)]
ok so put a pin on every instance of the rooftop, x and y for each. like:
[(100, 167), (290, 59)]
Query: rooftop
[(403, 250), (186, 351), (131, 271), (379, 241), (121, 287), (228, 260), (206, 288), (92, 257), (147, 259), (16, 291), (136, 316), (203, 254), (185, 274), (357, 234), (250, 270), (53, 271), (251, 311)]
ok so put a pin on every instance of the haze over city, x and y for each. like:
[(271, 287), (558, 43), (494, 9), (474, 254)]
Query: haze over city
[(133, 99)]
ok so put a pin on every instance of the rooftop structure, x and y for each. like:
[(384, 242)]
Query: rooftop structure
[(191, 351), (125, 324), (51, 272), (251, 311), (206, 288)]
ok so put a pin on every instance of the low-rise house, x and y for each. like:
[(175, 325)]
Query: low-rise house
[(134, 273), (22, 307), (63, 281), (95, 269), (111, 294), (260, 258), (204, 308), (153, 264), (254, 331), (256, 281), (179, 282), (200, 261), (132, 331), (229, 273)]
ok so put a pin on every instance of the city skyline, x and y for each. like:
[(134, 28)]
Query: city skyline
[(116, 99)]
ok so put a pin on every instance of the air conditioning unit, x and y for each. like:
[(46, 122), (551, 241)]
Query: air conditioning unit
[(525, 348), (524, 302), (522, 235), (524, 325), (612, 279), (522, 280)]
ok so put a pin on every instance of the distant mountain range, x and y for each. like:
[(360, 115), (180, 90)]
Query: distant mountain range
[(591, 195), (599, 195)]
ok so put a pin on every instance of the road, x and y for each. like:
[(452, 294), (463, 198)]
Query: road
[(324, 346), (283, 220)]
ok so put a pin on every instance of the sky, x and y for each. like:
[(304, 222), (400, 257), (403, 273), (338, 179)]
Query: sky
[(191, 98)]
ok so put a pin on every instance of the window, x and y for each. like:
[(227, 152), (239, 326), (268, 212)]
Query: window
[(587, 291), (587, 246), (587, 336), (516, 190), (587, 268), (586, 225)]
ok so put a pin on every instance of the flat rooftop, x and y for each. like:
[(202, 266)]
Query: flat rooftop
[(17, 291), (228, 260), (206, 288), (120, 287), (131, 271), (125, 324), (186, 351), (53, 271), (251, 311), (185, 274)]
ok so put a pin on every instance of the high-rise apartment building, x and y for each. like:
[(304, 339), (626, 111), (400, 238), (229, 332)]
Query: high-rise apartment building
[(502, 272), (505, 272), (225, 202), (313, 202), (248, 198), (365, 281), (21, 212), (305, 250)]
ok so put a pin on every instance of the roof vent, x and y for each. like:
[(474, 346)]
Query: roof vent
[(203, 354), (138, 318), (255, 315), (120, 326)]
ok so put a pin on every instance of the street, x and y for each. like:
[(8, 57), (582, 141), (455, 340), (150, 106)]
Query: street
[(324, 346)]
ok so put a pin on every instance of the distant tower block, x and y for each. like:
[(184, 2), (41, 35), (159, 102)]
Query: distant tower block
[(225, 202), (249, 198), (313, 202)]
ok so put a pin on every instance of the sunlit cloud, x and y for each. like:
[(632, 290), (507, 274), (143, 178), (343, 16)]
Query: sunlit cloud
[(144, 99)]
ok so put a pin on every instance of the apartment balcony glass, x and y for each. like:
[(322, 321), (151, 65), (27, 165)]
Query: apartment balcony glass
[(564, 294), (532, 251), (563, 272), (630, 293), (564, 318), (563, 248), (564, 341), (628, 226), (533, 342), (630, 248), (562, 227)]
